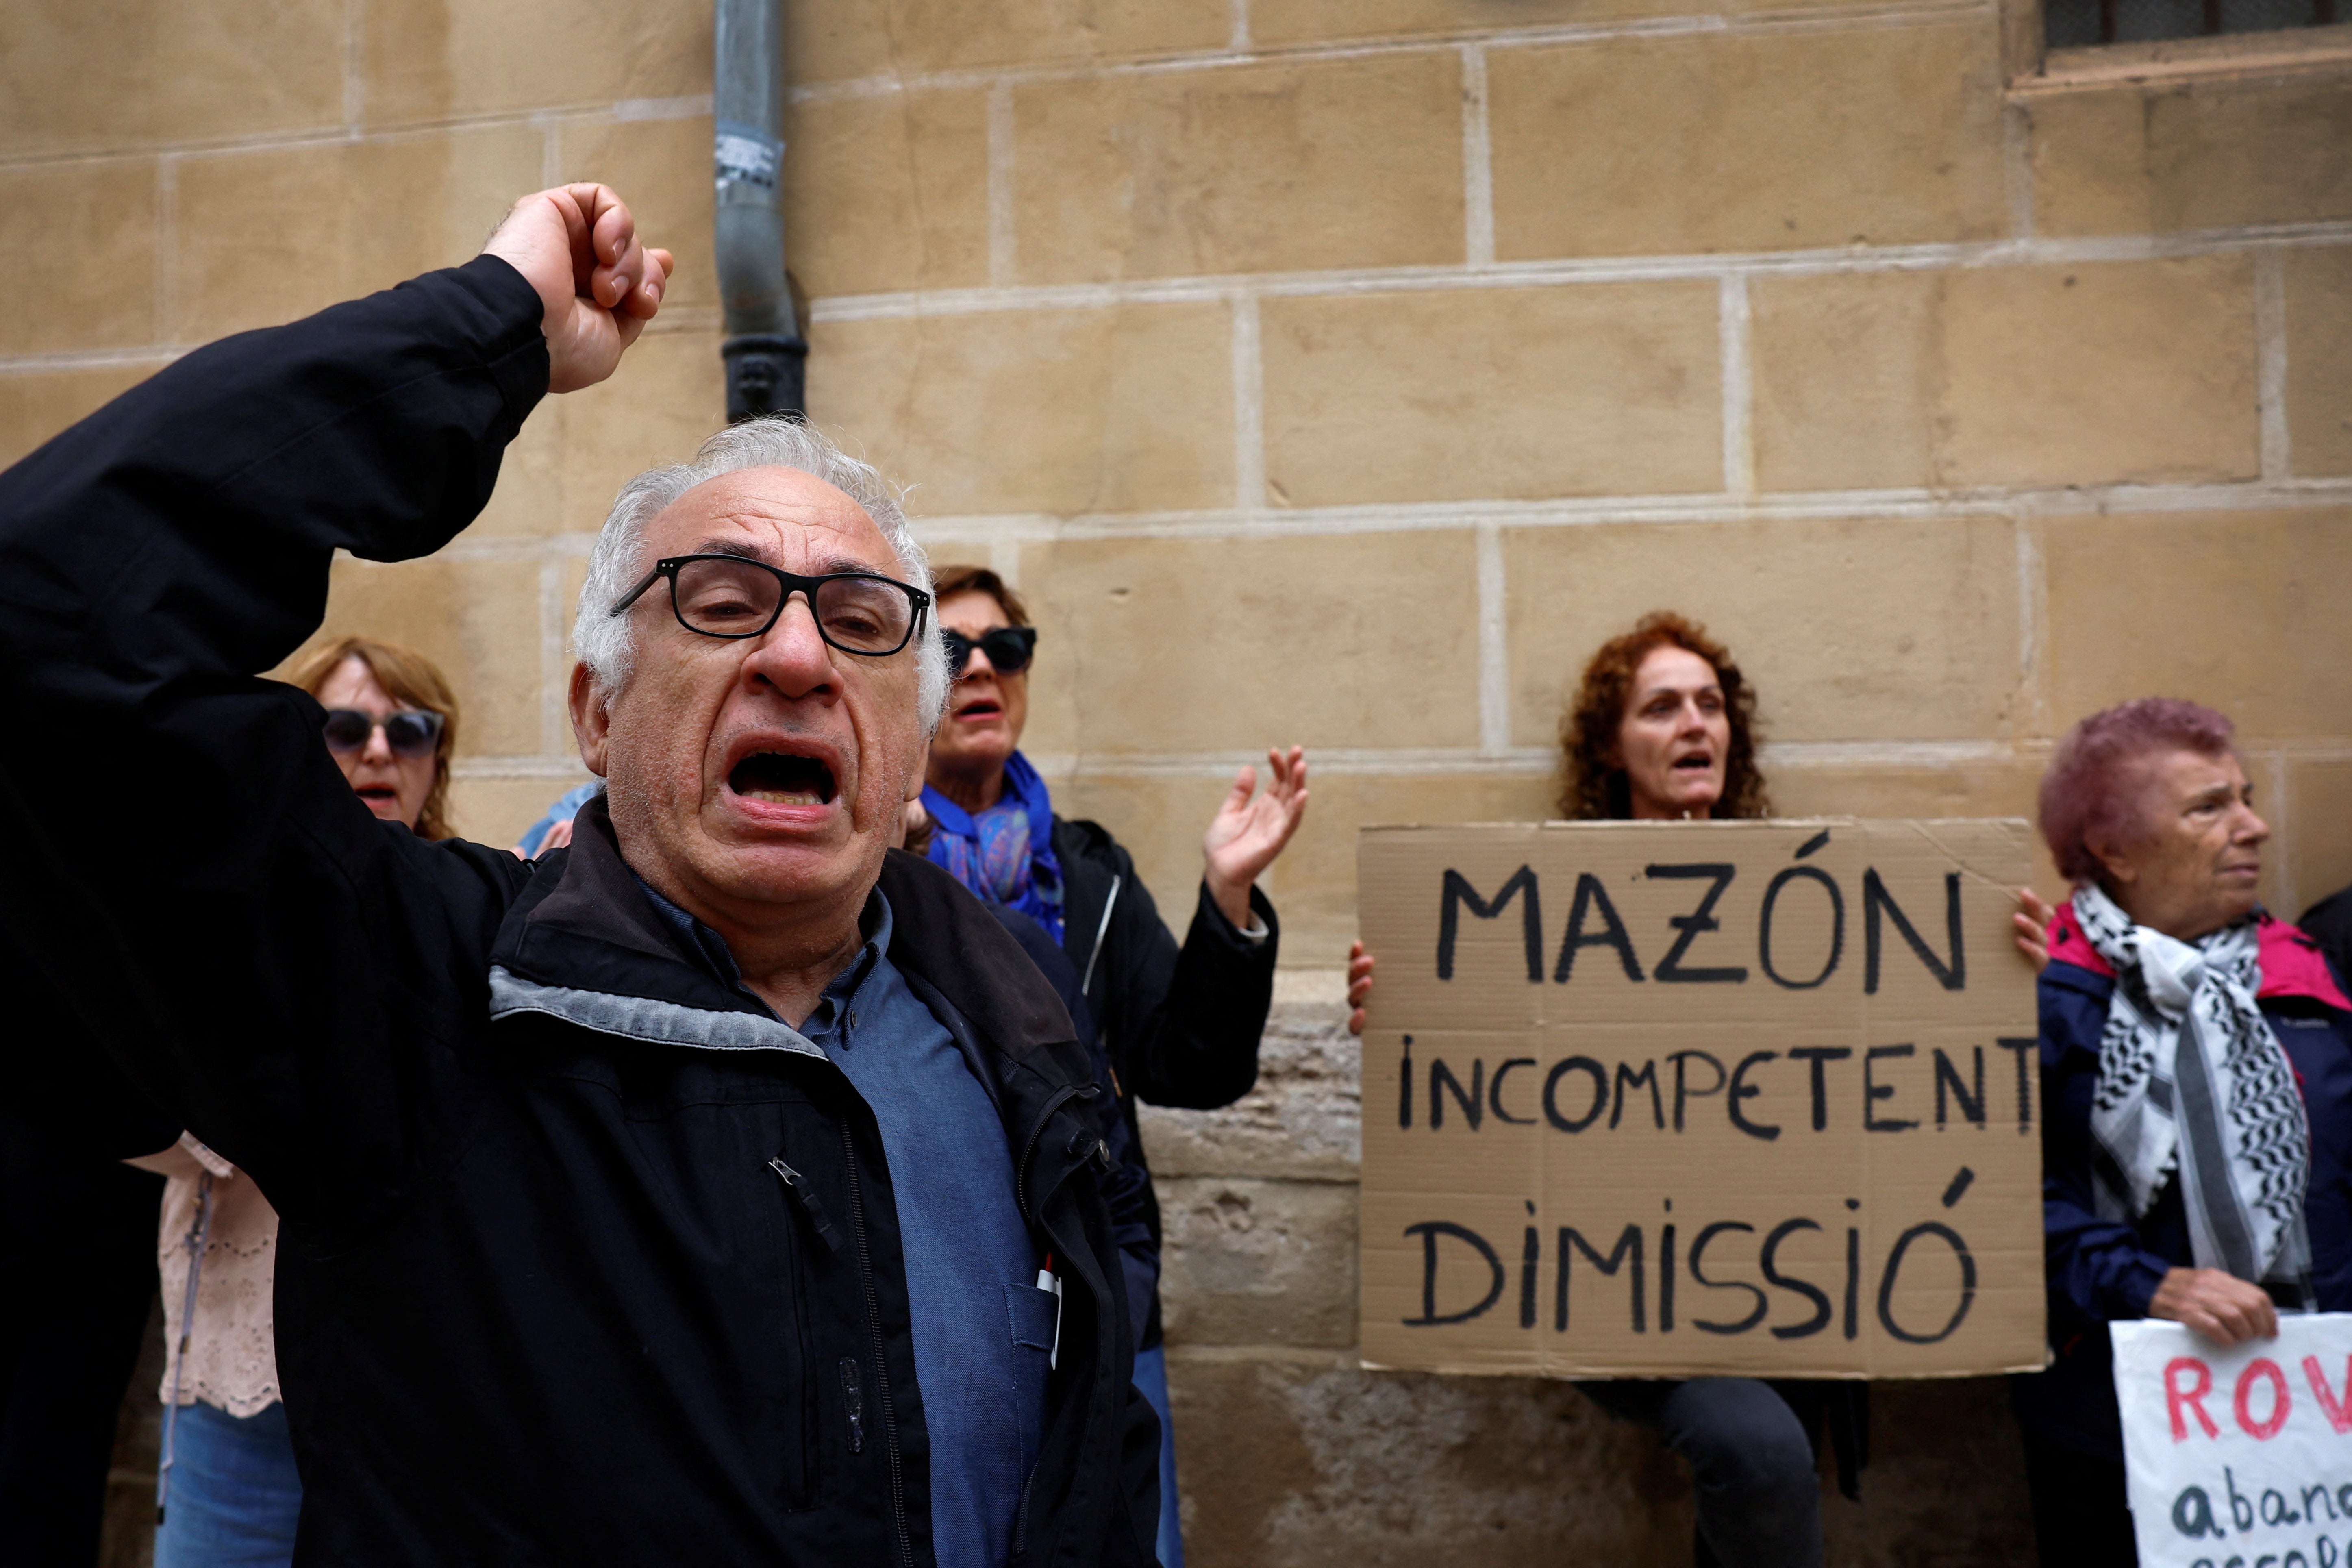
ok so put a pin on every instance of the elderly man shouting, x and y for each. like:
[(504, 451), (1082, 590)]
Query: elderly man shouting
[(724, 1189)]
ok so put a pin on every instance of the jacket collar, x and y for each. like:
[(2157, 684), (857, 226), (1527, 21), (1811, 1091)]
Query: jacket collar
[(2291, 963), (586, 943)]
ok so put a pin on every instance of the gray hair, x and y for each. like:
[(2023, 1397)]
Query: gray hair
[(604, 641)]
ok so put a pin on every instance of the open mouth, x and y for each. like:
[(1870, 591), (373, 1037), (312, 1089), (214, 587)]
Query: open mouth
[(378, 794), (984, 707), (1697, 763), (780, 778)]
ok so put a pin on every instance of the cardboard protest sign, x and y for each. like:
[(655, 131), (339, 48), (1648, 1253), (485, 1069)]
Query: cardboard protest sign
[(2239, 1456), (1671, 1098)]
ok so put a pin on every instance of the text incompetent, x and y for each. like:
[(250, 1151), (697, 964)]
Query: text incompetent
[(1674, 1099), (2239, 1455)]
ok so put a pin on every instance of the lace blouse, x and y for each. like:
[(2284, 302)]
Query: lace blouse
[(232, 1354)]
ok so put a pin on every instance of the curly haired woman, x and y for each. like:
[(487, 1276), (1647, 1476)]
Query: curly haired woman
[(1664, 728)]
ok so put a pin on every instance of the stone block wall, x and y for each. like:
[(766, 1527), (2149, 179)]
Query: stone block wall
[(1340, 372)]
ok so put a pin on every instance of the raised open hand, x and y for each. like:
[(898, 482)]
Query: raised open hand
[(1245, 834), (599, 286)]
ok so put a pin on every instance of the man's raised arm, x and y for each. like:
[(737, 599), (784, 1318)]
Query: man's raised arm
[(177, 850)]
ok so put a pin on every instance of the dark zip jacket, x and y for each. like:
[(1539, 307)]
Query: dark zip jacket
[(1182, 1024), (542, 1297)]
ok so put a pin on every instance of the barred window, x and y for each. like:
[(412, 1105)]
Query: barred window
[(2074, 45), (2076, 23)]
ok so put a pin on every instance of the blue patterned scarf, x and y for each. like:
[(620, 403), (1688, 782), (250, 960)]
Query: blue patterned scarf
[(1006, 854)]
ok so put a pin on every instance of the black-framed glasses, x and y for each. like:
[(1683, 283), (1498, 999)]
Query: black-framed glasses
[(734, 596), (1008, 649), (410, 732)]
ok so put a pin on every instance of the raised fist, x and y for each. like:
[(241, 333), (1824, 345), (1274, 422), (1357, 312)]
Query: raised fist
[(578, 246)]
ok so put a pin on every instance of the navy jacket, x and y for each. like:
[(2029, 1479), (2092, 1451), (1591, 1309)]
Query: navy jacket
[(2102, 1271)]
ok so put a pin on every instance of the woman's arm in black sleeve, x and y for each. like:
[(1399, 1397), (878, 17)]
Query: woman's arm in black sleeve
[(1187, 1020), (258, 954)]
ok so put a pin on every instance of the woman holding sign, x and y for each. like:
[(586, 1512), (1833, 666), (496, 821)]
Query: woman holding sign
[(2197, 1091), (1662, 728)]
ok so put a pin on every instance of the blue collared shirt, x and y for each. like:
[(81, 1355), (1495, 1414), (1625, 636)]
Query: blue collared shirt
[(982, 1329)]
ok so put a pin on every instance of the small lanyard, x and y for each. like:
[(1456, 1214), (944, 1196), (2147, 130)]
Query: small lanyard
[(199, 1236)]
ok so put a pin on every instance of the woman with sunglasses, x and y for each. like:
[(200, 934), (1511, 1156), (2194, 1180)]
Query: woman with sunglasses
[(1182, 1024), (227, 1493)]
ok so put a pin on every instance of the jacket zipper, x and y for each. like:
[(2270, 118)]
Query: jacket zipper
[(853, 1399), (1060, 1098), (1021, 1519), (881, 1359), (799, 1187)]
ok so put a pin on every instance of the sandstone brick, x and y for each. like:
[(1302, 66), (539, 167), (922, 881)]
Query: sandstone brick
[(1316, 877), (34, 407), (1345, 1469), (1159, 821), (440, 61), (662, 168), (2318, 833), (497, 811), (1885, 135), (2197, 155), (1260, 168), (88, 74), (576, 451), (80, 240), (667, 397), (2089, 158), (888, 192), (1091, 410), (1302, 1120), (321, 217), (1247, 1262), (2240, 611), (1946, 1483), (905, 37), (478, 620), (2094, 374), (1880, 629), (1278, 22), (2319, 360), (1370, 641), (1503, 393)]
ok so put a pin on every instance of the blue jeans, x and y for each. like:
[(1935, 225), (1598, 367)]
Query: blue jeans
[(1752, 1458), (235, 1496), (1151, 1377)]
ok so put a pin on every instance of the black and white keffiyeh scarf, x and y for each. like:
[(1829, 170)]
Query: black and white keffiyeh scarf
[(2191, 1079)]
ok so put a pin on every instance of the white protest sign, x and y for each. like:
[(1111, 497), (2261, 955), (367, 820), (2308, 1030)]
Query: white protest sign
[(2239, 1456)]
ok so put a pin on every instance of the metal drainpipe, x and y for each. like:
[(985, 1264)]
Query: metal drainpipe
[(766, 356)]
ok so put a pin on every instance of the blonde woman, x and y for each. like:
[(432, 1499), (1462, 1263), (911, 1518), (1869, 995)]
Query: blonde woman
[(226, 1492)]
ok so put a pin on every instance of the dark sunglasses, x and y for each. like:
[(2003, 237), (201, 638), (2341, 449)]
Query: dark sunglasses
[(1008, 649), (411, 733)]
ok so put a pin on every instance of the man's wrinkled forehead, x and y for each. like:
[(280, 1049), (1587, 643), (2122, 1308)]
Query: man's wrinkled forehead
[(781, 516)]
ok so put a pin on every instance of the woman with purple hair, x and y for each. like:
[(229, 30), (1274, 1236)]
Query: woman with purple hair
[(2197, 1093)]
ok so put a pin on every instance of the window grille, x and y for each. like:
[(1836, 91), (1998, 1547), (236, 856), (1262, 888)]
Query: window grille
[(2078, 24)]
